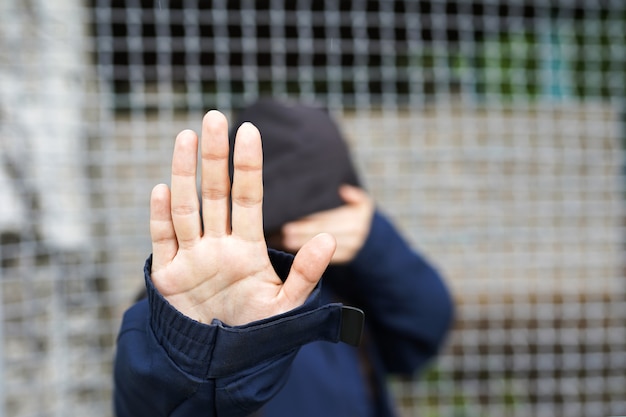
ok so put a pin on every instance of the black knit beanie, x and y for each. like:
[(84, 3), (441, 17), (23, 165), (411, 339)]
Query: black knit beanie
[(305, 159)]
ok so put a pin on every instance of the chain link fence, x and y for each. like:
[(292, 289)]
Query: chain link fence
[(491, 131)]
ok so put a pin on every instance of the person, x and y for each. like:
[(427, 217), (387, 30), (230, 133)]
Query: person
[(232, 328)]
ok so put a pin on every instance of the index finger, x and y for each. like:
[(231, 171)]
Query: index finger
[(247, 189), (184, 196)]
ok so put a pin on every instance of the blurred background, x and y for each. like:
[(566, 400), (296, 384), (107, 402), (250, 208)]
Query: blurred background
[(492, 131)]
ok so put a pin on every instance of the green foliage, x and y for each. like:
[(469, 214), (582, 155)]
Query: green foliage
[(557, 59), (443, 394)]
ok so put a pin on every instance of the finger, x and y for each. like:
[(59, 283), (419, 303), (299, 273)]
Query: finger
[(308, 266), (164, 244), (352, 195), (247, 189), (215, 179), (185, 207), (295, 234)]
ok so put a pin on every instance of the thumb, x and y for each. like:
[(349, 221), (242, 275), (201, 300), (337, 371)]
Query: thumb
[(307, 268), (351, 194)]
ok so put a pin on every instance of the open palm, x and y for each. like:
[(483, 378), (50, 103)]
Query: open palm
[(214, 264)]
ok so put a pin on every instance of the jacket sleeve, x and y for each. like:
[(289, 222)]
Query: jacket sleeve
[(167, 364), (409, 310)]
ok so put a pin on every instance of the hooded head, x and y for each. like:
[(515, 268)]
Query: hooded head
[(305, 159)]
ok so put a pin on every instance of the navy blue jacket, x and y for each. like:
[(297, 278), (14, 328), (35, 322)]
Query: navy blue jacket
[(290, 365)]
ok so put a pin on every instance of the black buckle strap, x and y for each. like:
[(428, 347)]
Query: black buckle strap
[(351, 330)]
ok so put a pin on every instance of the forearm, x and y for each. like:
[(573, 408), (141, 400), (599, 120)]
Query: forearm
[(170, 365), (405, 298), (160, 379)]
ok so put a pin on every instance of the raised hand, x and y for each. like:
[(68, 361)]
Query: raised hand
[(215, 264)]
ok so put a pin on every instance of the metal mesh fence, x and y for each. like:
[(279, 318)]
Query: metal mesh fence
[(490, 130)]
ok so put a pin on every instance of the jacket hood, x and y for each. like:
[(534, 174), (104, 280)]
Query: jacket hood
[(305, 159)]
